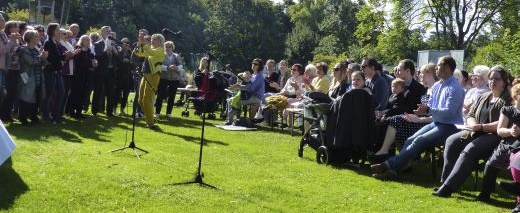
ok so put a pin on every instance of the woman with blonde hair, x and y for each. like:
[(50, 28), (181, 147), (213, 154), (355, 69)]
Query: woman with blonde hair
[(154, 54)]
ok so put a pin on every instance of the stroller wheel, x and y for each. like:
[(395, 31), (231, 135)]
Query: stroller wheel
[(185, 114), (322, 155)]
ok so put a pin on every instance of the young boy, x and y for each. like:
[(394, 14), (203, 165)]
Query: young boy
[(396, 100)]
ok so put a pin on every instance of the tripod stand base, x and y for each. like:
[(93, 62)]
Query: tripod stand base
[(197, 180), (131, 146)]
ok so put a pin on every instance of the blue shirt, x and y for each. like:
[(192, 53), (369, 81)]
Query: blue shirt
[(446, 101), (257, 86)]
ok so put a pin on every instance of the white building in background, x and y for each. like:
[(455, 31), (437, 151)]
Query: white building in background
[(431, 56)]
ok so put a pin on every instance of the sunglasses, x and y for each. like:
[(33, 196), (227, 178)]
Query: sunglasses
[(256, 64), (335, 69)]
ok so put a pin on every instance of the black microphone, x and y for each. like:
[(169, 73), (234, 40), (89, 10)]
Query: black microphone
[(112, 38), (166, 31)]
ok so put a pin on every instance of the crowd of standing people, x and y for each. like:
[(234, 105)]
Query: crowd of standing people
[(48, 72)]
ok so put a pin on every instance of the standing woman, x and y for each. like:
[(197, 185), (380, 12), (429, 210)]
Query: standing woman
[(170, 78), (83, 61), (9, 66), (31, 83), (52, 74), (154, 54)]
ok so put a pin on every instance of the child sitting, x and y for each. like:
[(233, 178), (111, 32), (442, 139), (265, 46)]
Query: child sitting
[(396, 100), (242, 94)]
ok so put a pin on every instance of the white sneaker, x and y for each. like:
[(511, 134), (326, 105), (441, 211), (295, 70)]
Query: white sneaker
[(139, 115), (169, 116)]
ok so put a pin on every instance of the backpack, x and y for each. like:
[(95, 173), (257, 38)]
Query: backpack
[(244, 122)]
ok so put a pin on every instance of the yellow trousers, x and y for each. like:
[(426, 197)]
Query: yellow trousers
[(147, 93)]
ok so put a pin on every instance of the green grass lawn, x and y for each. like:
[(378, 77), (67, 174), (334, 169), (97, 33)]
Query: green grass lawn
[(68, 168)]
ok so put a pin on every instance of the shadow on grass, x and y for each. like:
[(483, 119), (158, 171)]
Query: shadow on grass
[(466, 196), (91, 128), (193, 139), (11, 185), (286, 131)]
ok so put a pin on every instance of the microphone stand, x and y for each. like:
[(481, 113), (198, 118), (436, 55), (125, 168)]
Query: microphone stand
[(132, 145), (198, 179)]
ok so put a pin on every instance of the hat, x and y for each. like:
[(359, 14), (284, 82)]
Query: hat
[(245, 74)]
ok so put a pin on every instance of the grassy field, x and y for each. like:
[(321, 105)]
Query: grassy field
[(68, 168)]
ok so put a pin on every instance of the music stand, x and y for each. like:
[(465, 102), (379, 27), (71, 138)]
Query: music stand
[(198, 176)]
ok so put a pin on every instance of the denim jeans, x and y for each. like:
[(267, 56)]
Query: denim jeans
[(53, 85), (431, 135)]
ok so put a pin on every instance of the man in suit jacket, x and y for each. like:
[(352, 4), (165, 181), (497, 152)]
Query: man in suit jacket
[(416, 90), (107, 57)]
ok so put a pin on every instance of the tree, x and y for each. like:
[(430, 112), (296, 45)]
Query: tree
[(331, 24), (239, 30), (504, 51), (370, 25), (300, 44), (399, 40), (459, 22)]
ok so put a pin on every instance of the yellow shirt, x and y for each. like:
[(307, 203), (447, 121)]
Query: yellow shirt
[(155, 57), (320, 84)]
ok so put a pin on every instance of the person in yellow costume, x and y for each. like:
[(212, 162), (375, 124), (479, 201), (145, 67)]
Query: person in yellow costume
[(154, 55)]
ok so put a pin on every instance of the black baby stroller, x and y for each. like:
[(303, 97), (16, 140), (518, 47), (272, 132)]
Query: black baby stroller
[(211, 91), (347, 131), (316, 109)]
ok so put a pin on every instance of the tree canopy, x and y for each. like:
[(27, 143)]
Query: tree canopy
[(236, 31)]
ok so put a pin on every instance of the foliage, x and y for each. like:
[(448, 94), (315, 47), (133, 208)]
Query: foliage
[(300, 44), (504, 51), (399, 41), (331, 23), (18, 14), (459, 22), (331, 60), (93, 30), (238, 31)]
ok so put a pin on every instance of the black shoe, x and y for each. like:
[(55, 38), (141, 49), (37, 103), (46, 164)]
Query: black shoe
[(443, 191), (510, 187), (483, 197), (376, 159), (283, 126)]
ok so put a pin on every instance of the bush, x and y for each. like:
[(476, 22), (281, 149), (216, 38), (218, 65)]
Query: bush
[(18, 14), (504, 51)]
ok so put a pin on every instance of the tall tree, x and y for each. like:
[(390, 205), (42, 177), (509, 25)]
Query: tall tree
[(459, 22), (399, 40), (240, 30), (332, 24)]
